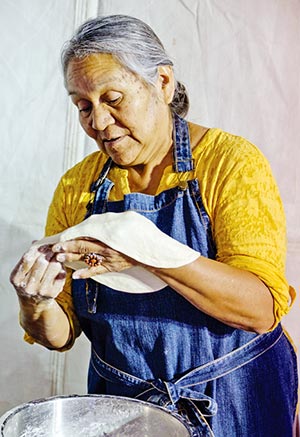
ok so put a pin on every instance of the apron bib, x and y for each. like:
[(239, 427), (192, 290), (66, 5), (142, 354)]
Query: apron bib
[(159, 348)]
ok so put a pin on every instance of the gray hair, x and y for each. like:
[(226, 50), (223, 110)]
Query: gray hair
[(134, 45)]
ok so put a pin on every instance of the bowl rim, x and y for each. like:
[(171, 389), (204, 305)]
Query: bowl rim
[(4, 419)]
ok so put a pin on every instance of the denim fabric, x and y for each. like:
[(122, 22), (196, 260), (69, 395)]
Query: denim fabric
[(159, 348)]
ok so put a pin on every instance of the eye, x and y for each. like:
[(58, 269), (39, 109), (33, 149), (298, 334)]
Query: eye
[(84, 108), (111, 102), (112, 98)]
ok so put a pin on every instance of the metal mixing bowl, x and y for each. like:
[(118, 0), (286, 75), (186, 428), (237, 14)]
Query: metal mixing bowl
[(90, 416)]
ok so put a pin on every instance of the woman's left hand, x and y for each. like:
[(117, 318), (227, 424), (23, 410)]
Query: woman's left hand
[(98, 257)]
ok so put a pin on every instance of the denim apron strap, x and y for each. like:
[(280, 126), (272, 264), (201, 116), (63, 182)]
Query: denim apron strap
[(165, 394), (181, 393), (182, 155), (100, 195)]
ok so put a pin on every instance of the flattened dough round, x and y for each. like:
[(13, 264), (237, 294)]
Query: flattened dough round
[(135, 236)]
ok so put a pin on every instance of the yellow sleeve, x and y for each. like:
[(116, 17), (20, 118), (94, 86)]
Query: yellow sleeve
[(246, 211), (68, 208)]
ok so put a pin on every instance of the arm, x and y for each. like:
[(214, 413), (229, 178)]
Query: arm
[(246, 286), (45, 321), (52, 322), (231, 295)]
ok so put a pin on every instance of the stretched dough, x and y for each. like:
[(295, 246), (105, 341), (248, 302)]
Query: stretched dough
[(135, 236)]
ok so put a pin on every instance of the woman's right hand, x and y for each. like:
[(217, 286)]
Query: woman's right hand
[(38, 275)]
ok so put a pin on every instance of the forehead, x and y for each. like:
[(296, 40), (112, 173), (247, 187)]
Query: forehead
[(97, 70)]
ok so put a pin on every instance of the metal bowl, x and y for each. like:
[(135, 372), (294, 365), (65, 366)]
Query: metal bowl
[(90, 416)]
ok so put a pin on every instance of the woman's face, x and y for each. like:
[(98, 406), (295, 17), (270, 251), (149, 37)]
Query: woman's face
[(129, 120)]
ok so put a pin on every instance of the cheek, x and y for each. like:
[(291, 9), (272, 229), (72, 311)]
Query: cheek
[(92, 134), (87, 128), (136, 112)]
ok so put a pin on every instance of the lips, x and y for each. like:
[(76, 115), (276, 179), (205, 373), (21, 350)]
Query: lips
[(112, 141), (109, 140)]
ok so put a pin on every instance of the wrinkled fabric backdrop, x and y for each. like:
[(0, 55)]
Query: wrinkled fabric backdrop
[(240, 61)]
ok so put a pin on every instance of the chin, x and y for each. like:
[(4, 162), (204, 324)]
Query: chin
[(122, 159), (121, 162)]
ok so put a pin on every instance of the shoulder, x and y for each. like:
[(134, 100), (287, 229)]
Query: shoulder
[(219, 147), (231, 169), (215, 140)]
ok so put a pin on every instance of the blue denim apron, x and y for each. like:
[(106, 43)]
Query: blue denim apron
[(159, 348)]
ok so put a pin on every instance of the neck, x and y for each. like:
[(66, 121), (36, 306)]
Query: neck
[(146, 178)]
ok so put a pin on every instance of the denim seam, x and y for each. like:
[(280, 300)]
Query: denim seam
[(118, 371), (295, 367), (144, 392), (194, 196), (98, 373), (168, 392)]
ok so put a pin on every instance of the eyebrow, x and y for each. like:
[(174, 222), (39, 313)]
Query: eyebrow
[(98, 84)]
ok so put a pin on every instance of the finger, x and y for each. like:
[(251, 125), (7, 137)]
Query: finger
[(36, 274), (80, 246), (27, 262), (17, 275), (57, 287), (51, 289), (89, 272), (69, 257), (92, 259), (30, 257), (47, 283)]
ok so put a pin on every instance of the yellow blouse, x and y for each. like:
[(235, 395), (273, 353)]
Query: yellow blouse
[(239, 194)]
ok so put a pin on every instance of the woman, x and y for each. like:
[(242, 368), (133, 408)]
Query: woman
[(209, 345)]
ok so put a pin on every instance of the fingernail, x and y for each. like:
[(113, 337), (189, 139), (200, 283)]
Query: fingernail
[(61, 257), (57, 248)]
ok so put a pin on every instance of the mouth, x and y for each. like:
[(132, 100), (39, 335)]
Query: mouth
[(112, 141)]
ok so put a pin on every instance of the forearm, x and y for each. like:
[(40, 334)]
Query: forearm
[(233, 296), (45, 321)]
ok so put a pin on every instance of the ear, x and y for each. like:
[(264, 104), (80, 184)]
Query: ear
[(166, 82)]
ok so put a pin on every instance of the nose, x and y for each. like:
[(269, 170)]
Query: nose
[(101, 118)]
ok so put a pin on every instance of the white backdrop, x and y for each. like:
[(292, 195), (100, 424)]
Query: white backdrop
[(240, 61)]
